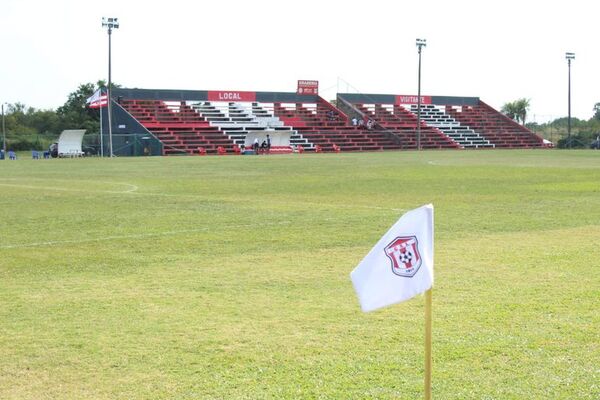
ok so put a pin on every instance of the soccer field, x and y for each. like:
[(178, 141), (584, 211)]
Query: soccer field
[(228, 277)]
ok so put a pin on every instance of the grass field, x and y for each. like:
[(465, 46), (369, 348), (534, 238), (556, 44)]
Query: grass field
[(228, 277)]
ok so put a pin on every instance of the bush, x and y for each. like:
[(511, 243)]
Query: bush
[(28, 142), (579, 141)]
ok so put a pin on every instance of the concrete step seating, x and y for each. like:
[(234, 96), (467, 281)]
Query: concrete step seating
[(495, 127), (402, 124), (178, 126), (329, 128), (466, 137), (237, 119)]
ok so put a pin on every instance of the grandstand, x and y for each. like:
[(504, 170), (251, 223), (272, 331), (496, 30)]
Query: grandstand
[(224, 122)]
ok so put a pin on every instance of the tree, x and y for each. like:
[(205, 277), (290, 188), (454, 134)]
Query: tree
[(597, 111), (509, 110), (517, 110), (29, 128), (75, 114), (522, 107)]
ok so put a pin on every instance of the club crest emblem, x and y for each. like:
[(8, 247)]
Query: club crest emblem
[(404, 254)]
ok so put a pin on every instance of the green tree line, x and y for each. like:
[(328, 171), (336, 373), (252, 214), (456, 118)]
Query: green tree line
[(583, 132), (28, 128)]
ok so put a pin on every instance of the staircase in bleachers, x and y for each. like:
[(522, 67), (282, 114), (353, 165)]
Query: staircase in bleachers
[(403, 124), (327, 127), (178, 126), (495, 127), (237, 120), (463, 135)]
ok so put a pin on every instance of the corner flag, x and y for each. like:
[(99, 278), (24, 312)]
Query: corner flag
[(400, 266)]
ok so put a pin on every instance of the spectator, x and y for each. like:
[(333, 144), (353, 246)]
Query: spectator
[(370, 124), (354, 121), (255, 145), (268, 144), (12, 155), (53, 149), (361, 123)]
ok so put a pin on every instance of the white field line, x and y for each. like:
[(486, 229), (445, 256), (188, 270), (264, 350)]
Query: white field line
[(133, 190), (137, 235), (130, 188)]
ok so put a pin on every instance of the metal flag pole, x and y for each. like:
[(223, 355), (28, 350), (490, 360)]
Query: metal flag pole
[(110, 24), (101, 130), (110, 143), (569, 57)]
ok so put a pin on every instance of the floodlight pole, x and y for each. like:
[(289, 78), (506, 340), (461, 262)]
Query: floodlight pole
[(110, 24), (3, 133), (569, 57), (420, 44)]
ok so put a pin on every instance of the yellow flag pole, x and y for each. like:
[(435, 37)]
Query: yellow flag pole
[(428, 301)]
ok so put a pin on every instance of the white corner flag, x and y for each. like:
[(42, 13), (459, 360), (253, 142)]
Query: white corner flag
[(400, 266)]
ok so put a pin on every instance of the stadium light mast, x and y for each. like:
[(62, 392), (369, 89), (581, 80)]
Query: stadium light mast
[(420, 44), (569, 57), (3, 133), (110, 24)]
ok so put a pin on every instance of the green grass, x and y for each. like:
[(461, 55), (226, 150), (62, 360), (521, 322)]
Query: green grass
[(228, 277)]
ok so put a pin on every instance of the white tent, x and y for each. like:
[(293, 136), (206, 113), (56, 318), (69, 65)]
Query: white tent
[(69, 143)]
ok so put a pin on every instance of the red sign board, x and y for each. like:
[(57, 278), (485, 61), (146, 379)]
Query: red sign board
[(406, 99), (308, 87), (219, 95)]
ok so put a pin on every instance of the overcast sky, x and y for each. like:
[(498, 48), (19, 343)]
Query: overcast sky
[(498, 51)]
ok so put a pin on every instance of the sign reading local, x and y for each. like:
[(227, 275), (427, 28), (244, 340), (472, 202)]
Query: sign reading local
[(218, 95), (308, 87), (409, 99)]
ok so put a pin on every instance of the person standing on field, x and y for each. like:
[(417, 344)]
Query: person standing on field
[(255, 146)]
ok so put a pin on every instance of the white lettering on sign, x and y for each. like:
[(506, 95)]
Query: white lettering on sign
[(308, 83), (229, 96), (411, 99)]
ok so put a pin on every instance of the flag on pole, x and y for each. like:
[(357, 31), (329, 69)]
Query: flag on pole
[(97, 100), (400, 266)]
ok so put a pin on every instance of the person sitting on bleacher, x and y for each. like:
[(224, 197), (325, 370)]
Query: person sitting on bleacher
[(354, 121)]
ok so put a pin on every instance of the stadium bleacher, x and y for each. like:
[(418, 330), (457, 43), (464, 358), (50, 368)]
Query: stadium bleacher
[(497, 128), (202, 122)]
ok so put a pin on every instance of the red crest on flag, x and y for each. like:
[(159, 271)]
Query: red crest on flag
[(404, 254)]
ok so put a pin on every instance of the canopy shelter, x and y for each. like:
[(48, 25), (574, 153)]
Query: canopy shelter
[(69, 143)]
